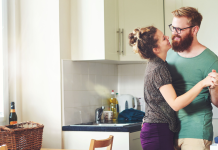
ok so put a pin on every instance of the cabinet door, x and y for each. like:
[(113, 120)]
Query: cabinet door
[(208, 32), (134, 141), (111, 27), (93, 29), (138, 13), (80, 140), (87, 29)]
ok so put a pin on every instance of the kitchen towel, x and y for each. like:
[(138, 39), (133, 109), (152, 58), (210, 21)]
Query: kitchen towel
[(131, 115), (216, 139)]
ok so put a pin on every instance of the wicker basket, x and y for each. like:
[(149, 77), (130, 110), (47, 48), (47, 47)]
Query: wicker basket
[(22, 136)]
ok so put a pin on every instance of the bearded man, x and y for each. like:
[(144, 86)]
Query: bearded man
[(189, 63)]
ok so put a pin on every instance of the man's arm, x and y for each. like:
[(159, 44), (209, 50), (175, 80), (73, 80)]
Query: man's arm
[(214, 89)]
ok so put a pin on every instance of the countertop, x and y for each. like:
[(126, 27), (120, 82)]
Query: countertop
[(132, 127)]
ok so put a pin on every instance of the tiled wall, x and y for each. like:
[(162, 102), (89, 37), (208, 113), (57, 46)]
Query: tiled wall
[(87, 86), (131, 79)]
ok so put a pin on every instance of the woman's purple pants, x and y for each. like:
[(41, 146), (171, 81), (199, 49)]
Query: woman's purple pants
[(156, 136)]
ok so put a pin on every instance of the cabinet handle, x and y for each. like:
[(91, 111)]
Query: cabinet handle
[(118, 51), (121, 45)]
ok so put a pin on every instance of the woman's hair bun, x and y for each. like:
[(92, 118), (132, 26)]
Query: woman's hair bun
[(134, 36), (132, 39)]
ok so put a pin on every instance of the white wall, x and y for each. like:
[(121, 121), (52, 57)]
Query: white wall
[(34, 47), (14, 56), (208, 31)]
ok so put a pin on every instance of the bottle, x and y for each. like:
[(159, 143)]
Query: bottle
[(117, 105), (13, 115), (113, 105), (114, 109), (112, 98)]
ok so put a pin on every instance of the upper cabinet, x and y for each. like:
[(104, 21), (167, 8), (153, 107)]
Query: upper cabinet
[(138, 13), (208, 32), (100, 28), (94, 24)]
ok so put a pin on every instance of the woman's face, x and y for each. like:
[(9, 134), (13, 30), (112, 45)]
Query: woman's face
[(163, 41)]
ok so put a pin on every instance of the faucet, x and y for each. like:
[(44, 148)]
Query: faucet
[(98, 113)]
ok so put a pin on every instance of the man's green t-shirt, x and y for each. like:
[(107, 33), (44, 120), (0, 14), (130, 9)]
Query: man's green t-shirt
[(196, 118)]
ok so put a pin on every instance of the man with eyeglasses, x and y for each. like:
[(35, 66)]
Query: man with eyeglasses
[(189, 63)]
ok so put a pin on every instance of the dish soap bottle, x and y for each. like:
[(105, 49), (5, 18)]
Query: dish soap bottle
[(113, 105)]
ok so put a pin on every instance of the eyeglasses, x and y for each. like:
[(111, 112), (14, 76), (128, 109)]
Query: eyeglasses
[(178, 30)]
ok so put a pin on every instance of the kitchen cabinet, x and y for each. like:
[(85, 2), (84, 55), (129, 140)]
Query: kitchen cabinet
[(94, 27), (138, 13), (207, 34), (99, 29), (81, 139)]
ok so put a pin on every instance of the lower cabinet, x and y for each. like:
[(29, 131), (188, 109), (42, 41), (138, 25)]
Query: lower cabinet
[(81, 140), (134, 141)]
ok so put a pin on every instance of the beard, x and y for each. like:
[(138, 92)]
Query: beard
[(183, 44)]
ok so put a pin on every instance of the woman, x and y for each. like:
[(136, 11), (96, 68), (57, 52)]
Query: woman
[(160, 120)]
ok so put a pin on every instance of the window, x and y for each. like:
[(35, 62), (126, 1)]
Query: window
[(4, 104)]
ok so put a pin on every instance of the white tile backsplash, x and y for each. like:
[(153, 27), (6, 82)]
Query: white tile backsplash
[(111, 70), (67, 67), (131, 79), (68, 96), (92, 68), (126, 70), (138, 82), (72, 115), (87, 86), (98, 79), (140, 68), (68, 81), (76, 83), (77, 115), (76, 67), (84, 68), (99, 68), (91, 82), (126, 82), (94, 99), (84, 83), (110, 82)]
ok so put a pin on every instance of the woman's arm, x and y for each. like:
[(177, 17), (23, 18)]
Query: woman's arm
[(177, 103)]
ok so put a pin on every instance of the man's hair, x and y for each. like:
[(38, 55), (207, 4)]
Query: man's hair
[(192, 14)]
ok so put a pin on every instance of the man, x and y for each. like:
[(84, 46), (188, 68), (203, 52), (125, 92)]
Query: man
[(189, 63)]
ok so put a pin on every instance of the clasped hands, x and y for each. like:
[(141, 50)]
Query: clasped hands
[(214, 78)]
